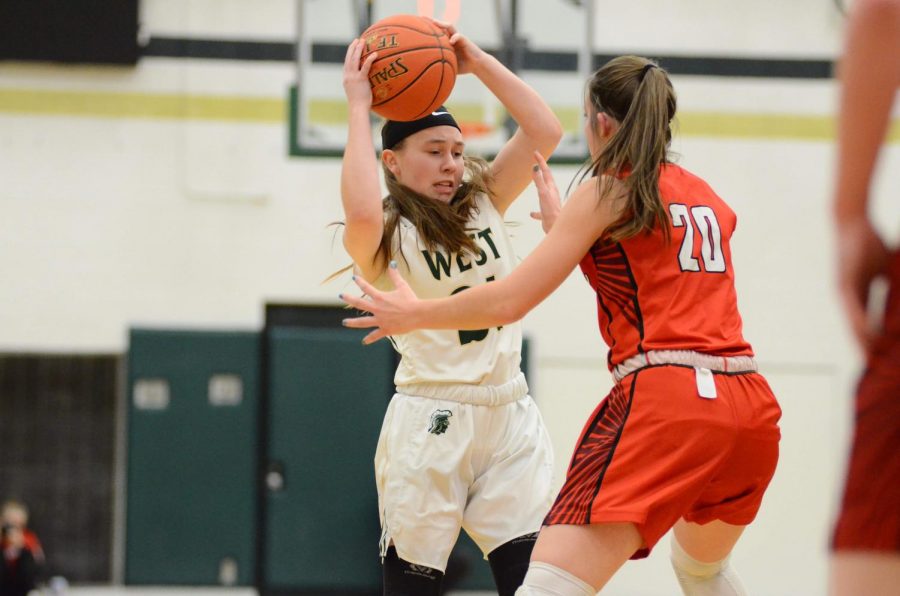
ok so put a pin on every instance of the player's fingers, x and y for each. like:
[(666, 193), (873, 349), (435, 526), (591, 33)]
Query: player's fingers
[(367, 64), (374, 336), (395, 276), (350, 63), (854, 306), (536, 215), (546, 172), (367, 288), (356, 302), (450, 28), (360, 322), (358, 51), (538, 178), (863, 335), (350, 49)]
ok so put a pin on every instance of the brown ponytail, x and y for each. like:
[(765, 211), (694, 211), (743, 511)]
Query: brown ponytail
[(638, 94)]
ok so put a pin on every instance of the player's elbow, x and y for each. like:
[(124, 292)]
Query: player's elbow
[(364, 219), (556, 131), (551, 140), (549, 136), (508, 311)]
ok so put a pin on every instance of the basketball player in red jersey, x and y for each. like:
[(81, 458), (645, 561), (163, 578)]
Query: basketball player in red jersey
[(866, 540), (688, 437)]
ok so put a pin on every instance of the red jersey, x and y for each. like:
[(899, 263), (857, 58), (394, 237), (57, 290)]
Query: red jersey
[(654, 295)]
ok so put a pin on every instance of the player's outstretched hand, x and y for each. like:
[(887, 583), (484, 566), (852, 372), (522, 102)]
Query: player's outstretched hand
[(468, 54), (548, 194), (391, 313)]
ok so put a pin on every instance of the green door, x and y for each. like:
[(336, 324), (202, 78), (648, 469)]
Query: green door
[(192, 458), (327, 397)]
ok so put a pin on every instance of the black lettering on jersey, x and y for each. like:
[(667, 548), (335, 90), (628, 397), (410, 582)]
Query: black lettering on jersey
[(482, 258), (439, 262), (486, 235), (463, 265), (467, 337)]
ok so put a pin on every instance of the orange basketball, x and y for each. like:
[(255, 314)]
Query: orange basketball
[(415, 69)]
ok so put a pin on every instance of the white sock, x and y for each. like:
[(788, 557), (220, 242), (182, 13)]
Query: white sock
[(544, 579), (704, 579)]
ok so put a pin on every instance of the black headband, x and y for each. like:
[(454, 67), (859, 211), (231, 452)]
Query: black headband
[(394, 131)]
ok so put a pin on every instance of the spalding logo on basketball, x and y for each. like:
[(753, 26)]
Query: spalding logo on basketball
[(415, 70)]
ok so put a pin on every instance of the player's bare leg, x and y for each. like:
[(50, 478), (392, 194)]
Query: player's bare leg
[(865, 572), (570, 559), (700, 557)]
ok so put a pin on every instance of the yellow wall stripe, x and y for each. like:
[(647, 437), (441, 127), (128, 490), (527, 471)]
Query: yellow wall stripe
[(142, 105), (275, 110)]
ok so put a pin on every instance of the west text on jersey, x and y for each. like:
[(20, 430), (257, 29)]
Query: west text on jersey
[(442, 262)]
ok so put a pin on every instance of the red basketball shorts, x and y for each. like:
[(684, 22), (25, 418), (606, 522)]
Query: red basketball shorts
[(870, 512), (655, 451)]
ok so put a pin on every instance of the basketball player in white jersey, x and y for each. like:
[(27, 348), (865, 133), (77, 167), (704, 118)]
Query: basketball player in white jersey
[(463, 444)]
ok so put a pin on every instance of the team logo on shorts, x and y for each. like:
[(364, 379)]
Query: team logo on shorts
[(440, 420)]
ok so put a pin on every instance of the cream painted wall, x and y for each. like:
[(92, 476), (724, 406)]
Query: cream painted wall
[(108, 222)]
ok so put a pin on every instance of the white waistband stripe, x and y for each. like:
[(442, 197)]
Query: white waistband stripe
[(721, 364), (482, 395)]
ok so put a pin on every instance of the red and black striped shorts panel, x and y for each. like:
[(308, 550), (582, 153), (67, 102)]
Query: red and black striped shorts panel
[(592, 457)]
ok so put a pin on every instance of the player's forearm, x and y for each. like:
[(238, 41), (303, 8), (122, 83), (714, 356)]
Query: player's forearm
[(360, 189), (527, 108), (480, 307), (869, 74)]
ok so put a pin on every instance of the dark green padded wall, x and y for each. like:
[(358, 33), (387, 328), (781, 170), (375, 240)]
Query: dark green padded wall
[(327, 397), (191, 497)]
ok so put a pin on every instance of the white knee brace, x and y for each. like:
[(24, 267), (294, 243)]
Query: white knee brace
[(544, 579), (704, 579)]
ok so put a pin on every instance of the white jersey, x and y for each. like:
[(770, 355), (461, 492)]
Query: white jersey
[(482, 357)]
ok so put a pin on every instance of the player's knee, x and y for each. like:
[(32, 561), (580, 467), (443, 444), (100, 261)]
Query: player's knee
[(402, 578), (544, 579), (509, 563), (704, 579)]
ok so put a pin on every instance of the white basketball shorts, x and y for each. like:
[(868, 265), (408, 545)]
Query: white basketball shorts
[(444, 464)]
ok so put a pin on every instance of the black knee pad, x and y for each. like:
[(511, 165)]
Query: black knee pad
[(509, 563), (402, 578)]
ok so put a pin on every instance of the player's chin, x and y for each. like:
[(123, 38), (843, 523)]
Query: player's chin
[(443, 194)]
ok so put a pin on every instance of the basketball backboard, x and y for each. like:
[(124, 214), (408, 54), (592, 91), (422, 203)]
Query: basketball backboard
[(546, 42)]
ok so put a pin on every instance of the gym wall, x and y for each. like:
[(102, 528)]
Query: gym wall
[(161, 195)]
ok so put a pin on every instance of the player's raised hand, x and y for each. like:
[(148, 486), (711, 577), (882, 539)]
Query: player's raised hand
[(392, 313), (548, 195), (862, 257), (356, 75), (468, 54)]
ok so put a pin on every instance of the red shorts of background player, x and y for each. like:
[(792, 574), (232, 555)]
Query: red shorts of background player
[(655, 451), (870, 512)]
